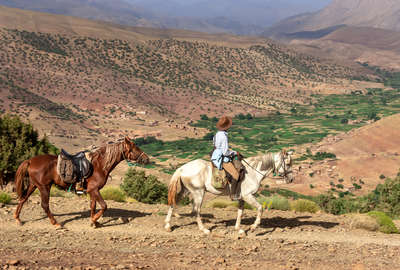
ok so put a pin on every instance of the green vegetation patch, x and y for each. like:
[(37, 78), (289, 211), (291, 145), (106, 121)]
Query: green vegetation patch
[(311, 123)]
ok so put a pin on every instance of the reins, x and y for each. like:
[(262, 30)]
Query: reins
[(268, 172), (263, 174)]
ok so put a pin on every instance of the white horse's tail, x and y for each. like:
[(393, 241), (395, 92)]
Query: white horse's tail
[(174, 188)]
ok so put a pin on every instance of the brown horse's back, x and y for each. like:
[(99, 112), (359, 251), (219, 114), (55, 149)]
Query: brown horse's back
[(43, 170)]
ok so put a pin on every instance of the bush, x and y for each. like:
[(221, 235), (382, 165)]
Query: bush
[(386, 224), (113, 194), (362, 221), (145, 189), (304, 206), (219, 203), (275, 202), (5, 198)]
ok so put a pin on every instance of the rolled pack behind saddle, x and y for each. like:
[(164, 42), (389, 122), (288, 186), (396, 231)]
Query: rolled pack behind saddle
[(73, 168)]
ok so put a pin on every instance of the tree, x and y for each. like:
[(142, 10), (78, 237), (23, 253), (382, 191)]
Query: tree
[(18, 142)]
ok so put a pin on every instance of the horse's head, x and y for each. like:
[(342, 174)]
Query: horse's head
[(133, 153), (284, 168)]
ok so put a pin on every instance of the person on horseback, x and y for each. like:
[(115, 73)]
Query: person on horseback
[(222, 156)]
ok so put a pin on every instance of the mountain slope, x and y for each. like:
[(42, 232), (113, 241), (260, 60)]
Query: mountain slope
[(362, 156), (377, 47), (383, 14), (86, 75)]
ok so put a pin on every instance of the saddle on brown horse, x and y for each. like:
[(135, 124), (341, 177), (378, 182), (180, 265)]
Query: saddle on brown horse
[(73, 168)]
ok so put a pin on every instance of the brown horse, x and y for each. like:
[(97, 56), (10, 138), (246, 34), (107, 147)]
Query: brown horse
[(41, 172)]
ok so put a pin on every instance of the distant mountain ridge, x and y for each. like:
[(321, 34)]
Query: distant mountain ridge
[(228, 16), (383, 14)]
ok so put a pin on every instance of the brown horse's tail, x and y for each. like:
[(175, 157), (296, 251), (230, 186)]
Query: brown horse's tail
[(174, 188), (21, 179)]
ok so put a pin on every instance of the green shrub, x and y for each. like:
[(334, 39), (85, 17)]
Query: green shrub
[(304, 206), (143, 188), (386, 224), (5, 198), (113, 194), (275, 202)]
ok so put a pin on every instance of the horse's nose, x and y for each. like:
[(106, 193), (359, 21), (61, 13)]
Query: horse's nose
[(146, 160)]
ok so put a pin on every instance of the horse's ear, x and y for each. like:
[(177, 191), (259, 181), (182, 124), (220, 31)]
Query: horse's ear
[(127, 140), (283, 152)]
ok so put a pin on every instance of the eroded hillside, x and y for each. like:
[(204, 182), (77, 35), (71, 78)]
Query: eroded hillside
[(89, 81)]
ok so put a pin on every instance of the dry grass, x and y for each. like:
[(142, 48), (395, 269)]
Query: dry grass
[(364, 222), (113, 193), (5, 198)]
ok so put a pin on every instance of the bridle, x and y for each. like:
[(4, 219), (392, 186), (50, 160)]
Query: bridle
[(136, 159)]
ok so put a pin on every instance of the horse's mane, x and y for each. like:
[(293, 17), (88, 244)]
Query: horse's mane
[(109, 153), (267, 161)]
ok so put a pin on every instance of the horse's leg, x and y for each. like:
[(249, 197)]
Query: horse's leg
[(96, 195), (252, 201), (21, 202), (92, 206), (239, 216), (168, 218), (45, 197), (197, 201)]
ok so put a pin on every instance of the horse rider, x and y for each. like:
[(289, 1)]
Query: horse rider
[(222, 156)]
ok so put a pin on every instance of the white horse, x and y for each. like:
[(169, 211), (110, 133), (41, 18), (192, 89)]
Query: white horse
[(196, 176)]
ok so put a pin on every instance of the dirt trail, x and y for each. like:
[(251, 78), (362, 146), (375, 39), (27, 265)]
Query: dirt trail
[(132, 237)]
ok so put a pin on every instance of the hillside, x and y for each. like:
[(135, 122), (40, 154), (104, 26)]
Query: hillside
[(377, 47), (384, 14), (86, 75), (364, 157)]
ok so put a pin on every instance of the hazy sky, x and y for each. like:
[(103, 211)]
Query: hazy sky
[(257, 12)]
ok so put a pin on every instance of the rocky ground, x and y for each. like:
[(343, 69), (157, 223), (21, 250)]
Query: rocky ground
[(132, 237)]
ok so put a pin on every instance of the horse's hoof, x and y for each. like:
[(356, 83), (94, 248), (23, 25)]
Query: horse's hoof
[(241, 233), (206, 232), (19, 222), (95, 225), (58, 226), (253, 228), (168, 228)]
